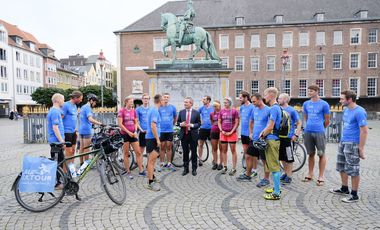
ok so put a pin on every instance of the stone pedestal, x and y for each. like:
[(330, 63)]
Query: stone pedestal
[(189, 78)]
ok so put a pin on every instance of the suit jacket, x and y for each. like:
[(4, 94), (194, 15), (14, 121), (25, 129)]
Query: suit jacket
[(195, 119)]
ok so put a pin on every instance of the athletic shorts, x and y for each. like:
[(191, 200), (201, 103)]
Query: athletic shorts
[(348, 160), (254, 152), (151, 145), (314, 141), (272, 162), (229, 139), (204, 134), (72, 138), (85, 136), (215, 135), (142, 140), (286, 153), (56, 152), (245, 140), (128, 138), (166, 137)]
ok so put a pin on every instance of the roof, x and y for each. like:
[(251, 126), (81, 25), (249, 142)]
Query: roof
[(81, 69), (222, 13), (92, 59)]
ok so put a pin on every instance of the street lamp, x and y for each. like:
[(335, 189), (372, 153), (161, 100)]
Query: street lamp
[(285, 61), (101, 60)]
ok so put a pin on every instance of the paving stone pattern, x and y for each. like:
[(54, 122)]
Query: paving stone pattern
[(208, 201)]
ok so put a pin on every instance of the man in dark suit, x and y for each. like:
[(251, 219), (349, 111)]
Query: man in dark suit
[(189, 120)]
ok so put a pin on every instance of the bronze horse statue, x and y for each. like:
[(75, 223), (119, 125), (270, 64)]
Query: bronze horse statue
[(201, 38)]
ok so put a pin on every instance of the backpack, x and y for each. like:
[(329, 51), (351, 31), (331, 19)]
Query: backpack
[(284, 129)]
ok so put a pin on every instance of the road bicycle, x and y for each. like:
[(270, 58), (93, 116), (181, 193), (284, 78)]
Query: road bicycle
[(110, 176)]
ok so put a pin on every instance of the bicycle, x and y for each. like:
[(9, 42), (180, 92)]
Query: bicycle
[(110, 176)]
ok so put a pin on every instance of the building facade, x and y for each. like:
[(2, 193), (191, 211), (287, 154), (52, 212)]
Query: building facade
[(68, 79), (334, 47)]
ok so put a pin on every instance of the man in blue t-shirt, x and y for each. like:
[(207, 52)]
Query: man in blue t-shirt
[(142, 115), (56, 130), (168, 115), (317, 116), (70, 119), (286, 153), (85, 126), (245, 114), (351, 146), (273, 140), (205, 129), (153, 142)]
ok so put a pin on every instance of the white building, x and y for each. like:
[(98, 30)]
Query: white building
[(5, 77)]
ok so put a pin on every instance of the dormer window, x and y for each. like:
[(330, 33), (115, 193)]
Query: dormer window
[(32, 46), (279, 18), (362, 14), (239, 21), (19, 41), (319, 17), (3, 36)]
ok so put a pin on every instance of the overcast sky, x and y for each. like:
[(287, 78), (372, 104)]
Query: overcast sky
[(76, 26)]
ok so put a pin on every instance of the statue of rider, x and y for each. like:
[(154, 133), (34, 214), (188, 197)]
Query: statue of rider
[(186, 21)]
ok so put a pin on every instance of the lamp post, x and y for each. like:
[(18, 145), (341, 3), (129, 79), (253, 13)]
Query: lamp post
[(101, 60), (285, 60)]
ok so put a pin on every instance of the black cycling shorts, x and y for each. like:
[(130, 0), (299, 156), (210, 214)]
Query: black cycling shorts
[(72, 138), (151, 145)]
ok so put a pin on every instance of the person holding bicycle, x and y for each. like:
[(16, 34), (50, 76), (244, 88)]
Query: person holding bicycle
[(127, 120), (85, 127), (286, 153), (142, 116), (214, 135), (204, 131), (228, 123), (153, 142)]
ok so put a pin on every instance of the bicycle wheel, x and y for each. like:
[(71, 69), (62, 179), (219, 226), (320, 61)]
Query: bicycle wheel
[(118, 158), (40, 201), (299, 154), (205, 152), (177, 154), (113, 182)]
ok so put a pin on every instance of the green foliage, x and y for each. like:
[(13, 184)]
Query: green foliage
[(43, 95)]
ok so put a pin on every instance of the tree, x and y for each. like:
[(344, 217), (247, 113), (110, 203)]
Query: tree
[(43, 95), (109, 101)]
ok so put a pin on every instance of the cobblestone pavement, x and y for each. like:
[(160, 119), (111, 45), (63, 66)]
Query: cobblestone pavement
[(207, 201)]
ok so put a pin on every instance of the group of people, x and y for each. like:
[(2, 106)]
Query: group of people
[(151, 129)]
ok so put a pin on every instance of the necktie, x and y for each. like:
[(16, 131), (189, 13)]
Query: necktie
[(187, 121)]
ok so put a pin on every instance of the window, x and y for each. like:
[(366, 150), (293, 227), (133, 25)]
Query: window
[(19, 89), (25, 59), (25, 74), (288, 66), (271, 63), (363, 14), (287, 39), (255, 64), (3, 72), (240, 21), (31, 60), (238, 88), (19, 41), (26, 89), (338, 38), (270, 83), (354, 85), (302, 88), (337, 61), (372, 36), (224, 62), (38, 62), (279, 18), (4, 87), (18, 56), (304, 39), (31, 75), (335, 87), (3, 54), (255, 41), (3, 36), (18, 73), (223, 41), (372, 60), (158, 44), (321, 84), (303, 62), (254, 86), (287, 87), (355, 36), (271, 40), (354, 60), (38, 77), (320, 38), (239, 63), (371, 87), (239, 41), (320, 62), (320, 17)]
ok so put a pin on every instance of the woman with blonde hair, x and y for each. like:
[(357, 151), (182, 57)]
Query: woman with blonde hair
[(214, 136)]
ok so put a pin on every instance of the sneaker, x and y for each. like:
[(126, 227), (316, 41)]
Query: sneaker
[(224, 171), (287, 180), (243, 178), (272, 196), (232, 172), (161, 168), (130, 176), (254, 174), (214, 166), (143, 173), (339, 191), (220, 167), (350, 199), (154, 187), (200, 162), (263, 182), (283, 176), (171, 167), (270, 190)]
